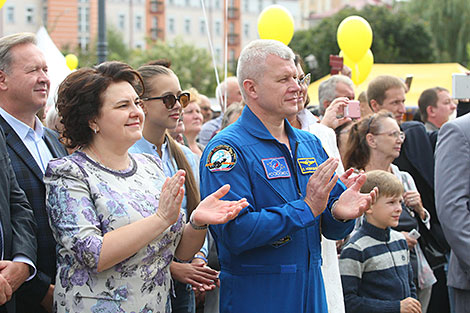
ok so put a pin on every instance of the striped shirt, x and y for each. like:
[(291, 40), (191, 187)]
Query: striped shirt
[(375, 270)]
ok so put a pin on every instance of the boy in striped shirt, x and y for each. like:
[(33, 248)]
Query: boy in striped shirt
[(375, 267)]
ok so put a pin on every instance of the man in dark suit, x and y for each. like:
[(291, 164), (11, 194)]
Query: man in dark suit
[(452, 176), (17, 235), (24, 88)]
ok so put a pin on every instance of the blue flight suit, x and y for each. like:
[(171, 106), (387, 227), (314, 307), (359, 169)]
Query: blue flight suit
[(270, 255)]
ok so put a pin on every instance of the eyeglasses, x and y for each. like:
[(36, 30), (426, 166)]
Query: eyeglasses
[(397, 134), (170, 100), (305, 80)]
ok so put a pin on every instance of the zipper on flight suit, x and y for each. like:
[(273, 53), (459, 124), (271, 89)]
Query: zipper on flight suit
[(295, 169)]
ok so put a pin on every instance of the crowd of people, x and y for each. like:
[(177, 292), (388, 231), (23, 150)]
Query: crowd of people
[(106, 203)]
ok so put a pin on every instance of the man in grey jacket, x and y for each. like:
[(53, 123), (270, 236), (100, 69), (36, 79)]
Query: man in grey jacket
[(452, 183)]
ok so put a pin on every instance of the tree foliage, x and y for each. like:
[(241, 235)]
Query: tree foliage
[(397, 38), (192, 65), (449, 21)]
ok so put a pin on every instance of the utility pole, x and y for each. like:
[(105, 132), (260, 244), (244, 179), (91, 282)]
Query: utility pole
[(102, 47)]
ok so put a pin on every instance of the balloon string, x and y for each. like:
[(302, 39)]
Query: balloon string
[(226, 54), (211, 47)]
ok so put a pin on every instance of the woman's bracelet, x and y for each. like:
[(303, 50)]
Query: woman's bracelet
[(198, 256), (196, 227)]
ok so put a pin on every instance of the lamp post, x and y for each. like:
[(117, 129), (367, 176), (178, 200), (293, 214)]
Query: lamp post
[(102, 47)]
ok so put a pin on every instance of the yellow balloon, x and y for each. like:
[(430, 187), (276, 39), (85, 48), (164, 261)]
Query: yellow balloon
[(354, 37), (360, 70), (72, 61), (2, 2), (275, 22)]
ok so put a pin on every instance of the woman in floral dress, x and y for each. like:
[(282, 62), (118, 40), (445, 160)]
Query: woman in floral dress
[(114, 215)]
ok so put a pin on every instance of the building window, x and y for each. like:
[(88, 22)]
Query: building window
[(138, 22), (154, 30), (187, 26), (171, 25), (30, 15), (121, 21), (218, 28), (246, 30), (10, 14), (202, 27), (83, 42)]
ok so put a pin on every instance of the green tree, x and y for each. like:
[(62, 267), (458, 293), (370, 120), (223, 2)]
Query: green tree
[(449, 21), (191, 64), (397, 38)]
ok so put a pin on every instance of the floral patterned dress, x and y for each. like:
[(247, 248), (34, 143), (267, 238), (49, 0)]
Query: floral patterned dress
[(85, 200)]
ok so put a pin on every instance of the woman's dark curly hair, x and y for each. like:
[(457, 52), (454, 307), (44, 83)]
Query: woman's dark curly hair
[(80, 98)]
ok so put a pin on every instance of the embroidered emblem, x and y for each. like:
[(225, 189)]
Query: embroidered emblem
[(307, 165), (221, 159), (281, 242), (276, 167)]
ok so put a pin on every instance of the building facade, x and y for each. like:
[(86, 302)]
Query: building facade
[(74, 23)]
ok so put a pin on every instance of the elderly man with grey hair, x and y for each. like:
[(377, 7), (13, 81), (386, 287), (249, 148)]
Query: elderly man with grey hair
[(227, 92), (270, 255), (334, 87)]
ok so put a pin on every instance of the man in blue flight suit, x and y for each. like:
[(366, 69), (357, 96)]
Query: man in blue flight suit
[(270, 254)]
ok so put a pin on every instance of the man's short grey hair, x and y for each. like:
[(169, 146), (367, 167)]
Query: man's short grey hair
[(252, 60), (327, 89), (8, 42), (222, 88)]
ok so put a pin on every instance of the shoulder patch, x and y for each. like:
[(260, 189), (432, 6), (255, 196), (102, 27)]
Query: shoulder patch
[(276, 167), (307, 165), (222, 158)]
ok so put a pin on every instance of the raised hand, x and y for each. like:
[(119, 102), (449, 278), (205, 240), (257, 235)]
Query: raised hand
[(347, 179), (336, 108), (214, 211), (320, 185), (352, 203), (171, 198)]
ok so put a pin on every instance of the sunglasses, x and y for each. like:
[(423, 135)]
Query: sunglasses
[(170, 100), (305, 80)]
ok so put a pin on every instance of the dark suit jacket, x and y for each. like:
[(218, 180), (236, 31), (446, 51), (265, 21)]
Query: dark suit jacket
[(30, 179), (16, 216)]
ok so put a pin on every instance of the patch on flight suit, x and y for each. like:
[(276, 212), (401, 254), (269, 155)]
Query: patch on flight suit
[(221, 159), (281, 242), (307, 165), (276, 167)]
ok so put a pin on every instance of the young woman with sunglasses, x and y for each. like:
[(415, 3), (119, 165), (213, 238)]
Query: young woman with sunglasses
[(163, 102), (373, 144)]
